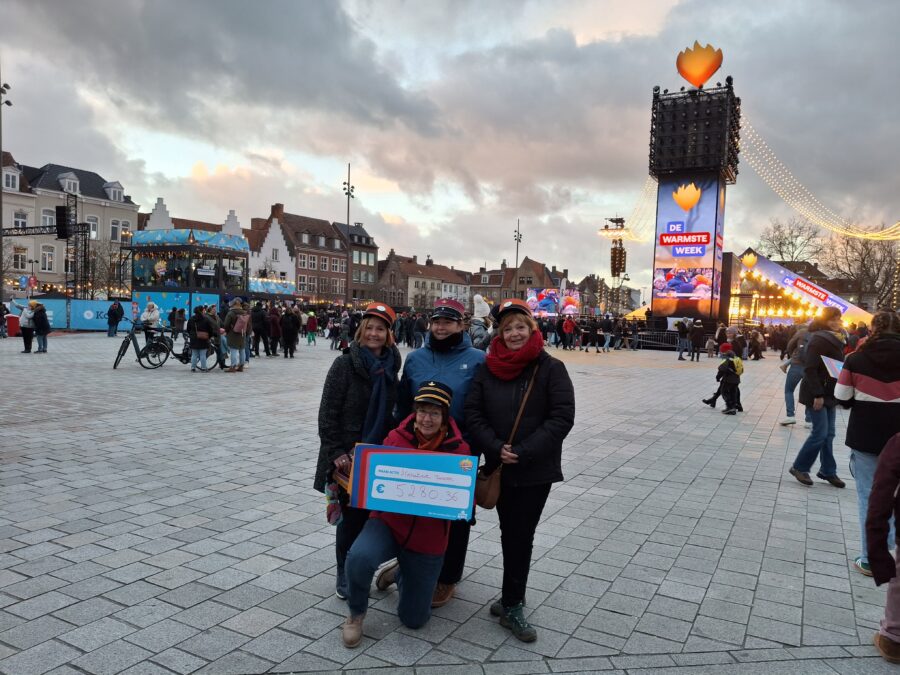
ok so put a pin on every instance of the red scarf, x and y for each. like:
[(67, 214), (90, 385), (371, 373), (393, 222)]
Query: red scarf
[(506, 364)]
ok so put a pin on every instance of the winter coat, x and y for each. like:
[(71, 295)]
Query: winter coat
[(151, 317), (312, 325), (870, 385), (727, 371), (795, 347), (234, 340), (721, 335), (884, 502), (415, 533), (199, 323), (478, 331), (455, 368), (343, 408), (259, 318), (816, 382), (114, 314), (491, 408), (290, 327), (26, 318), (697, 336), (41, 322), (275, 323)]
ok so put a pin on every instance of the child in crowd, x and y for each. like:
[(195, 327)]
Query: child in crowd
[(884, 502), (710, 348), (729, 378)]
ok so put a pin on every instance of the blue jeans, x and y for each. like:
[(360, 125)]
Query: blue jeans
[(111, 329), (818, 443), (862, 468), (683, 346), (247, 349), (198, 356), (42, 342), (416, 578), (238, 356), (419, 340), (606, 341), (794, 376)]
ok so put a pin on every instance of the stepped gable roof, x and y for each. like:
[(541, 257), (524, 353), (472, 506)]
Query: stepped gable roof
[(90, 184)]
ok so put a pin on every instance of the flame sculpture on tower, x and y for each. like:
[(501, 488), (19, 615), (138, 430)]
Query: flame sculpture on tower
[(694, 145)]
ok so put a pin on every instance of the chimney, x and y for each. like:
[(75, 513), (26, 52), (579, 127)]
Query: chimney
[(481, 270), (566, 273), (553, 270), (358, 224), (428, 260), (416, 259), (278, 212), (391, 253), (503, 264)]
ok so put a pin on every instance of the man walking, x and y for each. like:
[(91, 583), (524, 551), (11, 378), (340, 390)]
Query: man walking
[(113, 316)]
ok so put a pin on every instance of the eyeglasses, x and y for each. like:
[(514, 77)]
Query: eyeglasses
[(433, 414)]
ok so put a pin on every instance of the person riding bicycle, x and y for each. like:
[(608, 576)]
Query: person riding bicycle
[(150, 320)]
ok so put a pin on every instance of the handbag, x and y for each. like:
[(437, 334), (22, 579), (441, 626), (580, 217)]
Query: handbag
[(202, 335), (487, 486)]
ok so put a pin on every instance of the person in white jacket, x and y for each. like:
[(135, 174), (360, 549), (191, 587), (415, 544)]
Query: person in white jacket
[(26, 323), (150, 319)]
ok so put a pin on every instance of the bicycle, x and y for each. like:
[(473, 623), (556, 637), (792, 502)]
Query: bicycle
[(184, 356), (151, 355)]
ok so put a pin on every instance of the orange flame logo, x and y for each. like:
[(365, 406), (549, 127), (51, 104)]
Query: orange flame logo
[(749, 260), (698, 64), (687, 196)]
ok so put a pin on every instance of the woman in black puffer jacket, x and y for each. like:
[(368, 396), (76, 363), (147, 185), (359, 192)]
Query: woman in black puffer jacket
[(817, 393), (357, 406), (532, 459)]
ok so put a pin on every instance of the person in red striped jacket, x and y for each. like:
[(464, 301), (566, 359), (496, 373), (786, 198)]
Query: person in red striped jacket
[(869, 385)]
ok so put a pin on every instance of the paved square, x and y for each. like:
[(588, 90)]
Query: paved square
[(165, 522)]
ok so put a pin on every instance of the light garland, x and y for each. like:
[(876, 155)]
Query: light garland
[(776, 175)]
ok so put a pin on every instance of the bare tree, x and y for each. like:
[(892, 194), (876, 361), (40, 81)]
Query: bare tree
[(103, 273), (796, 240), (869, 265)]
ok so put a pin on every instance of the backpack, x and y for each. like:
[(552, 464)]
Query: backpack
[(738, 365), (240, 324)]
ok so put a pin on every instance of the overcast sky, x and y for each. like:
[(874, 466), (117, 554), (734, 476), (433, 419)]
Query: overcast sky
[(457, 116)]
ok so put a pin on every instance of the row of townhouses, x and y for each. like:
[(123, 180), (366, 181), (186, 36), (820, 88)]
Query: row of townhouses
[(329, 262)]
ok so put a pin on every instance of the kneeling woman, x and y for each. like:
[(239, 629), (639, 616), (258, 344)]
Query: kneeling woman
[(529, 454), (417, 543)]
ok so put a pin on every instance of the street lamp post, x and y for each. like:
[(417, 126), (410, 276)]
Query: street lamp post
[(4, 89), (517, 235), (348, 191)]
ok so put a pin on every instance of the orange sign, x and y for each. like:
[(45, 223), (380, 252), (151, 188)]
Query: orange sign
[(687, 196), (697, 64)]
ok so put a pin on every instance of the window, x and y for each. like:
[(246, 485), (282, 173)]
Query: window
[(342, 286), (334, 285), (301, 261), (20, 257), (321, 240), (343, 266), (48, 254), (304, 238), (432, 285), (372, 259), (114, 230), (311, 286), (94, 225), (301, 282), (393, 279), (355, 275), (115, 194), (10, 181), (48, 218), (337, 244), (71, 185), (484, 278), (313, 261), (275, 254), (356, 257), (335, 264), (323, 285), (323, 263), (69, 263), (20, 220)]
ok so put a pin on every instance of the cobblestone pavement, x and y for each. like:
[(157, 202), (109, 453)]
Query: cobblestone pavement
[(164, 522)]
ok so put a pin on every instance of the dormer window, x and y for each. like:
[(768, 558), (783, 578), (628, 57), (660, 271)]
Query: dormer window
[(69, 182), (304, 238), (10, 180), (321, 240), (71, 186), (114, 191), (337, 243)]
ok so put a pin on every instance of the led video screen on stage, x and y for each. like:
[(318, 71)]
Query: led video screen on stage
[(687, 269)]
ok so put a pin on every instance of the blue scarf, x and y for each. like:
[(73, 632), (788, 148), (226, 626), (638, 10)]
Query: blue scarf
[(381, 372)]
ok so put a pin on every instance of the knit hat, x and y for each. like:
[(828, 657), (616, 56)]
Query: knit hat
[(382, 311), (32, 303), (482, 309), (435, 393), (725, 347), (513, 305), (447, 308)]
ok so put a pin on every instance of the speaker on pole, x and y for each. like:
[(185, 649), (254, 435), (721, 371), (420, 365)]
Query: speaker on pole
[(62, 222)]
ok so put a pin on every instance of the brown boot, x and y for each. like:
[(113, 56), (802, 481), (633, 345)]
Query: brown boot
[(387, 577), (240, 368), (230, 370), (352, 631), (889, 650), (443, 593)]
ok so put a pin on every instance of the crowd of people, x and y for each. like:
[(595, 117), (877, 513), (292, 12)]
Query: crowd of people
[(513, 403)]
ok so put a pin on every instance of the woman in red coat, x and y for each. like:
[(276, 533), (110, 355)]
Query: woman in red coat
[(274, 329), (417, 543)]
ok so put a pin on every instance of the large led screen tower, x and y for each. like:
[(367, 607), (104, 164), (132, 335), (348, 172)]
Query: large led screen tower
[(694, 139)]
